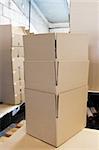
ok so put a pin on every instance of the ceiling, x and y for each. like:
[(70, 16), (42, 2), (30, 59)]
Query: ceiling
[(55, 11)]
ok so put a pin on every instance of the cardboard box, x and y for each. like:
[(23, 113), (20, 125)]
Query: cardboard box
[(17, 52), (93, 76), (70, 47), (11, 43), (18, 30), (21, 73), (55, 118), (17, 40), (21, 51), (57, 76), (22, 90), (18, 62), (16, 76), (11, 94)]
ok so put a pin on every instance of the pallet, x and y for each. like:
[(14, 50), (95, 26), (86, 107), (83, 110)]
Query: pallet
[(14, 115)]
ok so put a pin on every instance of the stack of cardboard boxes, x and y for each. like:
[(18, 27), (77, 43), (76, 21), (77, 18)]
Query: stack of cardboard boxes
[(94, 64), (56, 78), (12, 64)]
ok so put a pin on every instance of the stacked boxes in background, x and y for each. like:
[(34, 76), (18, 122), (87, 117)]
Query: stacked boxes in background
[(56, 78), (12, 64), (94, 64)]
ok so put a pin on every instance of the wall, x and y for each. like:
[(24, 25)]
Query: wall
[(84, 18), (17, 13)]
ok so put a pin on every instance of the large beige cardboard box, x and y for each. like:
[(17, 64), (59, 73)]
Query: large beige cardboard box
[(71, 47), (57, 76), (55, 118)]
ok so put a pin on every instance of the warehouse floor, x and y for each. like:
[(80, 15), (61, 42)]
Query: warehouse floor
[(87, 139)]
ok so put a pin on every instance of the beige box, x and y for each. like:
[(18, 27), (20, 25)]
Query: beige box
[(11, 94), (16, 76), (17, 52), (93, 76), (11, 43), (15, 63), (18, 62), (22, 90), (21, 51), (94, 48), (21, 74), (22, 95), (56, 76), (18, 30), (17, 40), (55, 118), (70, 47)]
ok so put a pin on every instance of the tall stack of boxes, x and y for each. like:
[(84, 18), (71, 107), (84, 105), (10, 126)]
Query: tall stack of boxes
[(12, 64), (56, 78)]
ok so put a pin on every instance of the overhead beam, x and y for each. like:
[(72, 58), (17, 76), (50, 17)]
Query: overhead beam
[(39, 12), (58, 25)]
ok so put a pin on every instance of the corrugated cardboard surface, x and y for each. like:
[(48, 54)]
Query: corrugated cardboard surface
[(18, 30), (38, 47), (72, 47), (94, 76), (17, 52), (72, 113), (44, 75), (56, 76), (94, 48), (41, 115), (55, 122), (11, 93), (22, 90), (90, 25), (17, 40), (8, 69), (68, 47)]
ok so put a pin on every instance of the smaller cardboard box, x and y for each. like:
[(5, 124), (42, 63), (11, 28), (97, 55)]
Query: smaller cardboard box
[(55, 118)]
